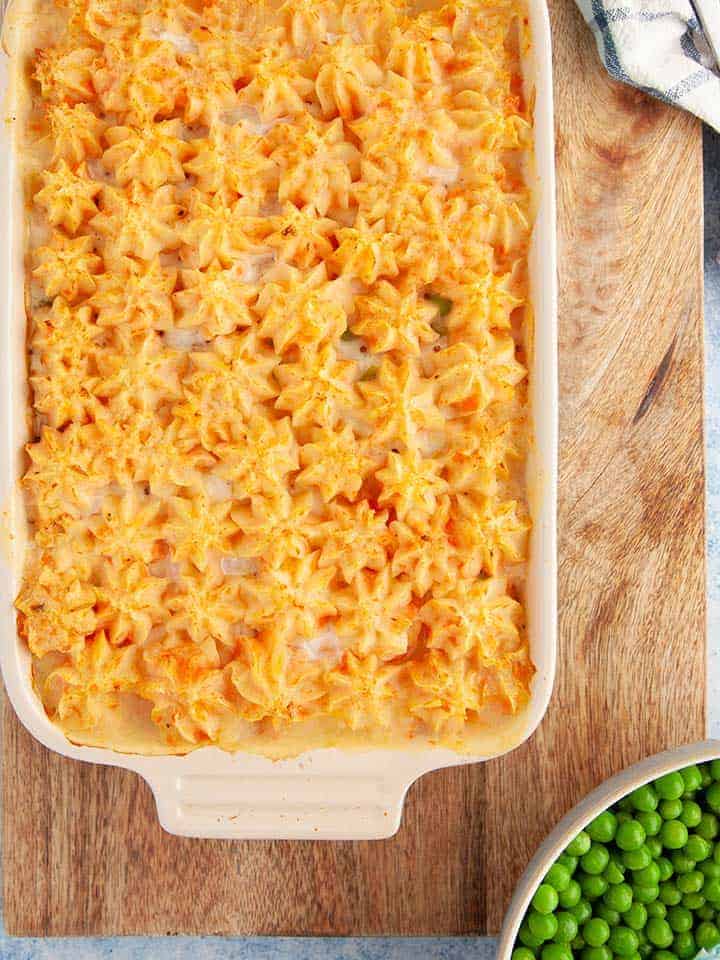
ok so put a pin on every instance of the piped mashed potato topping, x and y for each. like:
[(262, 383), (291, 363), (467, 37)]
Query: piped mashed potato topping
[(277, 308)]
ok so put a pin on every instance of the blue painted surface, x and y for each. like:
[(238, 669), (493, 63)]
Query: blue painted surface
[(266, 948)]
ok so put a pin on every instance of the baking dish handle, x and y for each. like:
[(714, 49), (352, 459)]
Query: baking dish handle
[(279, 806)]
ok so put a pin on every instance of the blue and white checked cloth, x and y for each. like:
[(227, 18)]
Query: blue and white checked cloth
[(659, 47)]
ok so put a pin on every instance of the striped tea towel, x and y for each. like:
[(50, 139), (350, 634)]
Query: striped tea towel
[(659, 47)]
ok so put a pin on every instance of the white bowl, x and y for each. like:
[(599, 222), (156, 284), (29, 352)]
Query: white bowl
[(581, 815)]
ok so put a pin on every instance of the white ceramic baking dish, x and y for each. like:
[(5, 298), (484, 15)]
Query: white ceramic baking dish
[(324, 794)]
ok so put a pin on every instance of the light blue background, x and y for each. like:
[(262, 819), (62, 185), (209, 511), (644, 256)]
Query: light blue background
[(265, 948)]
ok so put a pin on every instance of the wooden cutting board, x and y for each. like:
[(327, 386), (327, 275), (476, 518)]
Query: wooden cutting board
[(83, 853)]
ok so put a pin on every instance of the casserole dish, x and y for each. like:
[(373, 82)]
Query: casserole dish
[(332, 794)]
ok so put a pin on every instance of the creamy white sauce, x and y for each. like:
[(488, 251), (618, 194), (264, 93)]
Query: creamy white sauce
[(179, 339), (217, 489), (239, 566)]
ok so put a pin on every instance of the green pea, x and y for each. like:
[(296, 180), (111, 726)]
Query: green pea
[(579, 845), (656, 909), (706, 912), (622, 816), (692, 778), (670, 787), (659, 932), (712, 798), (644, 798), (709, 826), (707, 779), (711, 889), (623, 941), (693, 901), (545, 899), (670, 809), (646, 894), (637, 859), (690, 882), (707, 936), (630, 835), (558, 877), (443, 304), (528, 938), (595, 860), (582, 911), (603, 827), (597, 953), (669, 894), (666, 868), (593, 886), (635, 916), (682, 863), (649, 876), (570, 863), (697, 848), (691, 813), (654, 846), (570, 896), (610, 916), (684, 945), (522, 953), (596, 931), (680, 919), (645, 950), (577, 944), (651, 821), (619, 897), (567, 928), (542, 925), (614, 872), (709, 869), (674, 834), (556, 951)]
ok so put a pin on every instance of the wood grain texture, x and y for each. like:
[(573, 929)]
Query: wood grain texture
[(83, 850)]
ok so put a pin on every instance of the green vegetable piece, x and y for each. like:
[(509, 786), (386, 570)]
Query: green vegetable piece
[(567, 928), (691, 814), (569, 862), (684, 945), (603, 827), (682, 863), (706, 912), (570, 896), (596, 931), (522, 953), (692, 778), (659, 932), (707, 936), (697, 848), (707, 779), (712, 798), (630, 835), (666, 868), (711, 890), (614, 872), (715, 769), (580, 845), (597, 953), (647, 894), (593, 886), (635, 916), (680, 919), (644, 798), (709, 826), (582, 911), (649, 876), (368, 374), (556, 951), (347, 334), (619, 897), (444, 304), (674, 834), (669, 894), (542, 925), (693, 901), (610, 916), (710, 869), (558, 877), (670, 787), (663, 955), (528, 938), (623, 941), (595, 860), (656, 909), (651, 822), (670, 809), (545, 899), (637, 859)]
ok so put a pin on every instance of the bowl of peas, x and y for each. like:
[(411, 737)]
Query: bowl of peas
[(631, 872)]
